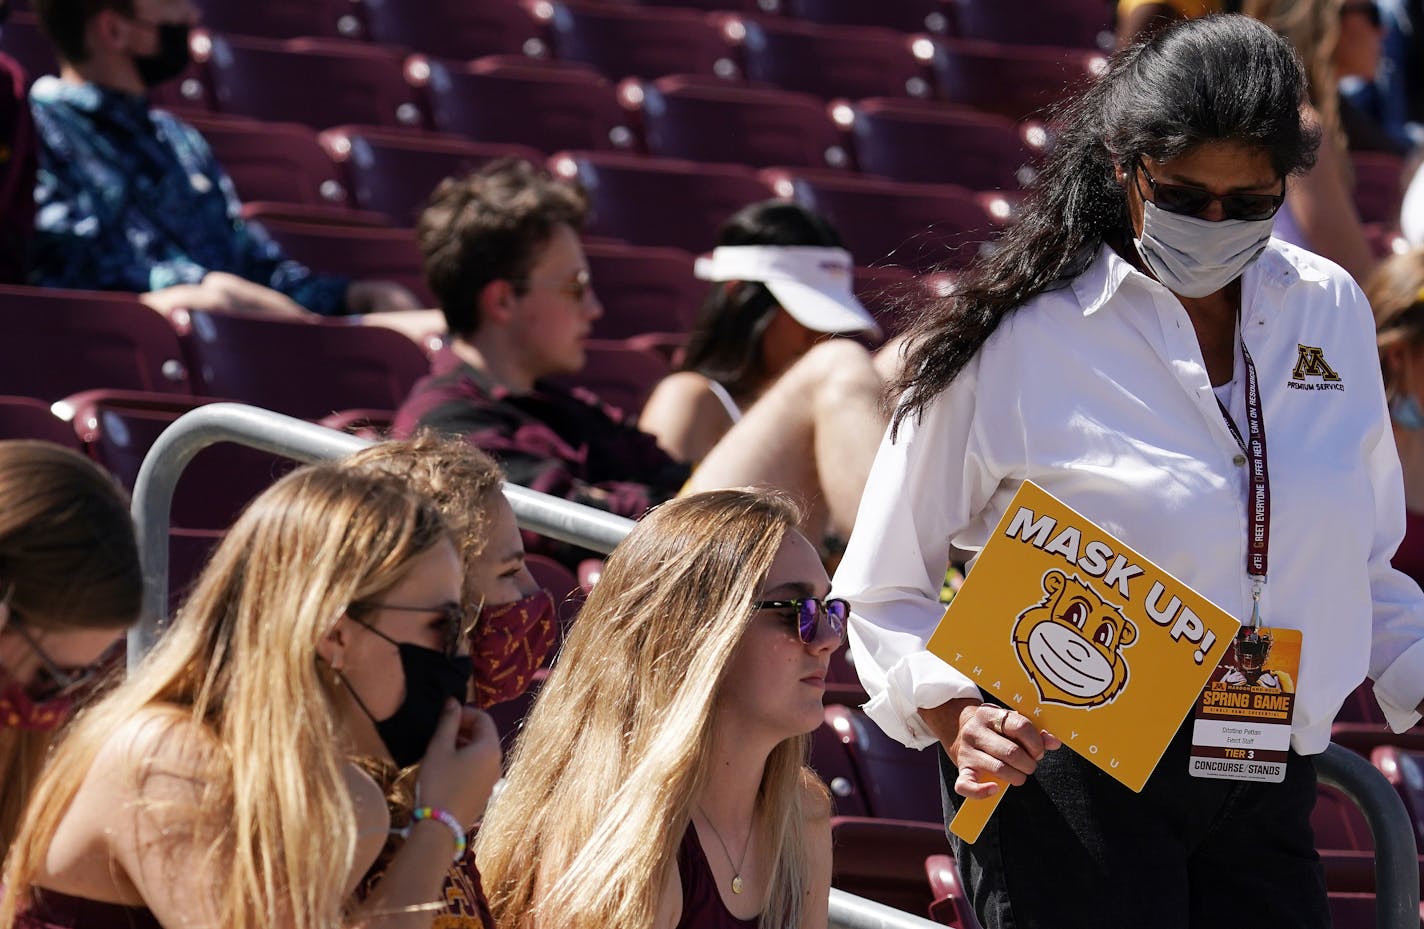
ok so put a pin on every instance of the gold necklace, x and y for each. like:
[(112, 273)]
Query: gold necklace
[(736, 866)]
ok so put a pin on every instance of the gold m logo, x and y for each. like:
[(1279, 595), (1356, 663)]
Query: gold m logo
[(1310, 362)]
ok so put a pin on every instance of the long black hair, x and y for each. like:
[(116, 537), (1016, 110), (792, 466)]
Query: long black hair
[(725, 342), (1219, 78)]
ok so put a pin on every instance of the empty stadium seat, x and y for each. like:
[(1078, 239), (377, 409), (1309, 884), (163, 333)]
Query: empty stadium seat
[(892, 295), (119, 427), (549, 107), (951, 905), (899, 782), (1016, 81), (741, 125), (1077, 23), (393, 171), (884, 860), (643, 290), (280, 162), (316, 82), (1338, 822), (362, 252), (304, 368), (28, 418), (457, 29), (639, 41), (619, 374), (922, 227), (935, 144), (834, 61), (658, 201), (831, 760), (1405, 770), (282, 19), (905, 15), (59, 342)]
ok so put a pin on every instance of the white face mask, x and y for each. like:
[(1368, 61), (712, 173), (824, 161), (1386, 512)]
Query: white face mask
[(1194, 257)]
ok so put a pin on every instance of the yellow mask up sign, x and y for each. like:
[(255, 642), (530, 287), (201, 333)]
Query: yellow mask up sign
[(1067, 625)]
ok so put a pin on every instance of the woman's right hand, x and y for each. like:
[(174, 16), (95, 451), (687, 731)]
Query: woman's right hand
[(989, 745), (462, 763)]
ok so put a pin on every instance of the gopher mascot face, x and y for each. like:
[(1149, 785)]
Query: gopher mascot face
[(1071, 642)]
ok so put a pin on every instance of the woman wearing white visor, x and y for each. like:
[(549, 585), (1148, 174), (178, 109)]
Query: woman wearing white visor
[(783, 285)]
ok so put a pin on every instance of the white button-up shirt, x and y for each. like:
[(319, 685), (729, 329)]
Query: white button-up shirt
[(1098, 393)]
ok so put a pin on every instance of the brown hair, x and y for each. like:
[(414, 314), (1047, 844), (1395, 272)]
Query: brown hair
[(70, 561), (1396, 293), (66, 21), (489, 226)]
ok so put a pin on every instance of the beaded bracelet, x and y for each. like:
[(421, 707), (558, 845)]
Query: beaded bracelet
[(434, 813)]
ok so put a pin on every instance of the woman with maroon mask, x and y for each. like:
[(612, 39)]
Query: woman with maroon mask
[(70, 585)]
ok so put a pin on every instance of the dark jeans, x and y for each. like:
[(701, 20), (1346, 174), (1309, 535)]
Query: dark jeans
[(1074, 848)]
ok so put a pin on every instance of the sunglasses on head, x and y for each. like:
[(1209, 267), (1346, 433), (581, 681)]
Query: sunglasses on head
[(1194, 201), (452, 614), (809, 611)]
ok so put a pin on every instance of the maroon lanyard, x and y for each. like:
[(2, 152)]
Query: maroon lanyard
[(1258, 506)]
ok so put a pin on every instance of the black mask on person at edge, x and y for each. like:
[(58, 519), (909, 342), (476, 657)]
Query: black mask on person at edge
[(171, 58), (431, 678)]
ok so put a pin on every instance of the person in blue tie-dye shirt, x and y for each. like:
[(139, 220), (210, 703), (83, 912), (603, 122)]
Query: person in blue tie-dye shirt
[(131, 198)]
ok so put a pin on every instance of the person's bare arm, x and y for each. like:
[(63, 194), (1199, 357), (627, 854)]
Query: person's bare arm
[(987, 743), (684, 416), (225, 292), (815, 905), (1324, 208), (380, 297)]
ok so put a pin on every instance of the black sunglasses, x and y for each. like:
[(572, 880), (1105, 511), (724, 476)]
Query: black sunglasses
[(1367, 7), (453, 615), (808, 615), (1193, 201)]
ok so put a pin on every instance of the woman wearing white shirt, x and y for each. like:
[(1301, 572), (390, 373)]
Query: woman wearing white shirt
[(1094, 353)]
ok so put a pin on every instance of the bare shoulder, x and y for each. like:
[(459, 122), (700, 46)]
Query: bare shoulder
[(815, 798)]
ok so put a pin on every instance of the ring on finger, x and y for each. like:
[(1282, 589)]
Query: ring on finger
[(998, 724)]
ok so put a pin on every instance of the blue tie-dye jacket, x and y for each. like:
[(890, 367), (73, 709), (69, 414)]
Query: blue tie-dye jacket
[(131, 198)]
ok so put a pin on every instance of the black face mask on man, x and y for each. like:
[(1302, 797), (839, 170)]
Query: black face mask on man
[(171, 57), (431, 678)]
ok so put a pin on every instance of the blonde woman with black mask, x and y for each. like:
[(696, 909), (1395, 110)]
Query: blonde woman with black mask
[(661, 779), (215, 787)]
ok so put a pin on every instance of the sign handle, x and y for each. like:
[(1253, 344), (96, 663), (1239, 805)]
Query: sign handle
[(974, 814)]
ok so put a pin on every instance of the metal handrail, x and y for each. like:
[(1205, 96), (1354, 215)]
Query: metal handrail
[(303, 441), (1396, 855)]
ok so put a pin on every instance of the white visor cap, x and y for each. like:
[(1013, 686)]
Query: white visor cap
[(811, 282)]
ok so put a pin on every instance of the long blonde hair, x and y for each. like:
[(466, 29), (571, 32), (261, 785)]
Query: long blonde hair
[(69, 561), (241, 660), (602, 781), (1313, 28)]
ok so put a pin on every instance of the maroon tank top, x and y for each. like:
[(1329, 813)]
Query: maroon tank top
[(54, 910), (702, 906)]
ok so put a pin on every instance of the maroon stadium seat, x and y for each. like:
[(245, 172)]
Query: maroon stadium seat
[(830, 758), (643, 290), (316, 82), (362, 252), (951, 905), (59, 342), (457, 29), (1379, 186), (22, 39), (884, 860), (393, 171), (934, 144), (1405, 770), (905, 15), (1338, 822), (899, 782), (619, 374), (28, 418), (1016, 81), (639, 41), (892, 295), (305, 368), (282, 19), (658, 201), (742, 125), (549, 107), (281, 162), (834, 61), (1077, 23), (922, 227)]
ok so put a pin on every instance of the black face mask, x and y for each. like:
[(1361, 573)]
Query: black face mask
[(431, 678), (171, 58)]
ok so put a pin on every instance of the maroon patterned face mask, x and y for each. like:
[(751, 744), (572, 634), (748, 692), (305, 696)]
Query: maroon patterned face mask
[(18, 710), (508, 644)]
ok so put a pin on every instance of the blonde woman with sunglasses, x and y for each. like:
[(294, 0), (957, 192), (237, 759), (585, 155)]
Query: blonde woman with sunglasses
[(69, 586), (661, 778), (216, 787)]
